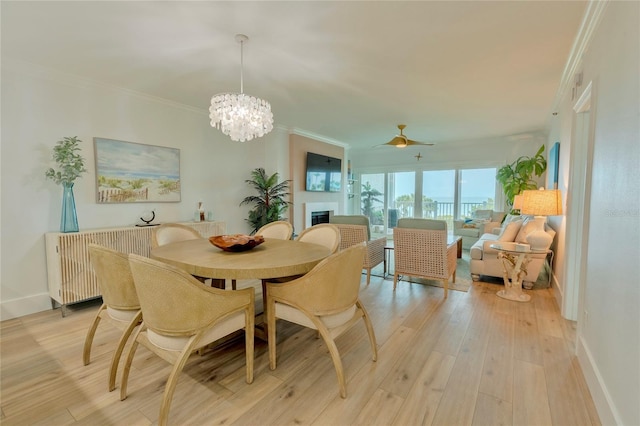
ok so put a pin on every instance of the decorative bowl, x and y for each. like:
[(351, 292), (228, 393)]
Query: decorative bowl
[(236, 242)]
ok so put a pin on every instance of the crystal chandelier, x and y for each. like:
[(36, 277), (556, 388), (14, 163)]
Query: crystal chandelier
[(241, 117)]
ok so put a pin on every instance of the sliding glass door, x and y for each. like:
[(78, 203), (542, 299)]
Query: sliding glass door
[(372, 201)]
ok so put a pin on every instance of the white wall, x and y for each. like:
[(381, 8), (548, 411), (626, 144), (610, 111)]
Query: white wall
[(40, 107), (608, 344)]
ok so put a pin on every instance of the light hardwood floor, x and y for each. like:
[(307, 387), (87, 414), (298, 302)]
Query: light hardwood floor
[(473, 359)]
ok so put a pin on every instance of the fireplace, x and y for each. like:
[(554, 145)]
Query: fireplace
[(319, 217), (315, 213)]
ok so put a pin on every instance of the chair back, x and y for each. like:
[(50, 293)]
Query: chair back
[(172, 232), (361, 220), (351, 235), (114, 277), (174, 303), (279, 230), (419, 223), (421, 252), (324, 234), (332, 286)]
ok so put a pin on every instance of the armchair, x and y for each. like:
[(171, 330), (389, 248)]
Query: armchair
[(355, 230), (325, 299), (422, 251), (180, 316)]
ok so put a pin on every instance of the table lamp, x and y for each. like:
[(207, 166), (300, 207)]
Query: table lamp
[(541, 203), (517, 202)]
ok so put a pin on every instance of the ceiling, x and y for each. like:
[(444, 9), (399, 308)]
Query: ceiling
[(346, 71)]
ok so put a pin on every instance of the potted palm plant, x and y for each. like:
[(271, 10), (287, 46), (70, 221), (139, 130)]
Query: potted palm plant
[(70, 163), (269, 204), (518, 176)]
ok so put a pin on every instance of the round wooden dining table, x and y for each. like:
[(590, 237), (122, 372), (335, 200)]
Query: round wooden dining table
[(271, 259)]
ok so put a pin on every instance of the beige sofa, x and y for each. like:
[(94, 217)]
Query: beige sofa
[(484, 259), (482, 222)]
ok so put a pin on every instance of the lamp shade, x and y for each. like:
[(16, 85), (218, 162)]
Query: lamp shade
[(542, 202), (517, 202)]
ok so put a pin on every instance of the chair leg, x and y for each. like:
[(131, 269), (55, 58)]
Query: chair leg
[(271, 331), (88, 341), (372, 336), (115, 359), (395, 281), (368, 276), (337, 361), (445, 285), (127, 365), (170, 387)]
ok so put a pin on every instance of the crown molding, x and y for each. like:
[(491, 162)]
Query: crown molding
[(300, 132), (590, 21)]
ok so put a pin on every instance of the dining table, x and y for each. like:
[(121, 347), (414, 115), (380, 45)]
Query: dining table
[(272, 259)]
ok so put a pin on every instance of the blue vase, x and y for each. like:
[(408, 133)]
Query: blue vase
[(69, 219)]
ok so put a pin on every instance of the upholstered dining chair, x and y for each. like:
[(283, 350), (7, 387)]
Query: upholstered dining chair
[(168, 233), (120, 302), (421, 250), (181, 316), (280, 229), (172, 232), (324, 234), (324, 299), (354, 229)]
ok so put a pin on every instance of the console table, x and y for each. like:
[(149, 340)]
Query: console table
[(70, 276)]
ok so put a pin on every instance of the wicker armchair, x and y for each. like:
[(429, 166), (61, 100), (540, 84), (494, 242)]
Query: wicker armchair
[(120, 302), (424, 253), (180, 316), (355, 234), (325, 299)]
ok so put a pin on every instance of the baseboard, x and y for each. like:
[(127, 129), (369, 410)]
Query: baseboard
[(15, 308), (601, 398)]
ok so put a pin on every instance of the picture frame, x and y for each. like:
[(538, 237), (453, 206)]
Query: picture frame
[(552, 165), (130, 172)]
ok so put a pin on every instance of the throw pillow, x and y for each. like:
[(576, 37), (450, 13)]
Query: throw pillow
[(510, 231), (528, 226)]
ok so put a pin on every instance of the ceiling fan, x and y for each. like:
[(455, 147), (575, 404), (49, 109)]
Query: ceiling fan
[(401, 141)]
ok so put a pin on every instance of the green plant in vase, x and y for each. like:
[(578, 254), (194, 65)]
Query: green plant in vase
[(270, 204), (70, 163), (518, 176)]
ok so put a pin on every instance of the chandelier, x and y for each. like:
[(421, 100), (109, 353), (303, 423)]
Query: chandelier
[(241, 117)]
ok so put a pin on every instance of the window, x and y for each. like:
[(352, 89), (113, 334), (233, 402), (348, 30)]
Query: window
[(477, 190)]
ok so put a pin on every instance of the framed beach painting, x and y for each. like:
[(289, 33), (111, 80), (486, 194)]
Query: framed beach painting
[(128, 172)]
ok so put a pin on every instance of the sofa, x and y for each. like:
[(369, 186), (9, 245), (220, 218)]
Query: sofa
[(480, 223), (484, 259)]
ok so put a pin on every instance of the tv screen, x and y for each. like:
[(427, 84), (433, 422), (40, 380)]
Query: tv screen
[(324, 174)]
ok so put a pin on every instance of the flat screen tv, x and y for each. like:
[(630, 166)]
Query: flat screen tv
[(324, 174)]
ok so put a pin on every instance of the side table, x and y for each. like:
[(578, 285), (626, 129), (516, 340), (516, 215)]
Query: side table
[(515, 258)]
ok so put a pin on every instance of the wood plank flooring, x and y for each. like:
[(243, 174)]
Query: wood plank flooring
[(472, 359)]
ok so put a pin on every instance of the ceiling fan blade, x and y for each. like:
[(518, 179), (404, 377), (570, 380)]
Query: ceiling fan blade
[(412, 142)]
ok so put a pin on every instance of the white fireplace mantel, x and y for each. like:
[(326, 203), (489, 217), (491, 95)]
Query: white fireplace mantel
[(309, 208)]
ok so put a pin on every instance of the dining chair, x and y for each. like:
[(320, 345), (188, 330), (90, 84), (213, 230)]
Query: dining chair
[(120, 304), (354, 229), (280, 229), (168, 233), (424, 252), (181, 316), (325, 234), (324, 299)]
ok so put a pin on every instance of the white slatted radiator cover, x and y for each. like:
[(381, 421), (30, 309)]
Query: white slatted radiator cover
[(70, 275)]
